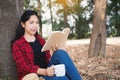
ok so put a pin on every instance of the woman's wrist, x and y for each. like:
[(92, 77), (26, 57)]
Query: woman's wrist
[(46, 72), (41, 71)]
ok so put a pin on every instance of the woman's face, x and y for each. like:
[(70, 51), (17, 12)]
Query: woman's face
[(31, 26)]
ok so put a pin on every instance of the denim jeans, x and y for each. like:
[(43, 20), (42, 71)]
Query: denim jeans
[(62, 57)]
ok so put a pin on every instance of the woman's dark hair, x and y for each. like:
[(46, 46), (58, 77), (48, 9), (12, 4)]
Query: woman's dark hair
[(25, 17)]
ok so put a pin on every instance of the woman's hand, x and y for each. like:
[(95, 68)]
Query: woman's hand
[(50, 71), (54, 47)]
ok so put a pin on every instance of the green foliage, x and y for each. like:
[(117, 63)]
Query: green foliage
[(82, 29), (81, 25), (26, 3), (114, 14), (58, 26), (112, 32)]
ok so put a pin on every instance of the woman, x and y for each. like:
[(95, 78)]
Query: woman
[(26, 51)]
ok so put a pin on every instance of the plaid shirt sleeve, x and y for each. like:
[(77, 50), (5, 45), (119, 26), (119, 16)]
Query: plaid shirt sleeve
[(24, 66)]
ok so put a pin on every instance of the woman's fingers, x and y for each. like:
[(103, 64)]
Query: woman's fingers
[(54, 47), (50, 71)]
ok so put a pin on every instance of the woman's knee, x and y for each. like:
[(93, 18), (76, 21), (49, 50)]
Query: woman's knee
[(61, 53), (31, 76)]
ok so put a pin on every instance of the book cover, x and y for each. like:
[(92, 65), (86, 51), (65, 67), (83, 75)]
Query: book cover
[(56, 37)]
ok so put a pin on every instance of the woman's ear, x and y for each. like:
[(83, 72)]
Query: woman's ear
[(23, 25)]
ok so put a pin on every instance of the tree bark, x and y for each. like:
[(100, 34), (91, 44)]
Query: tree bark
[(10, 11), (98, 38)]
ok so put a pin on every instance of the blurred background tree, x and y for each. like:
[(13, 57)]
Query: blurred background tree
[(98, 36), (75, 14)]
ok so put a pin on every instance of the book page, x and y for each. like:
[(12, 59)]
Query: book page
[(56, 37)]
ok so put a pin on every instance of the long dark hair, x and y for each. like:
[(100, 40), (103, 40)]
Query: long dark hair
[(25, 17)]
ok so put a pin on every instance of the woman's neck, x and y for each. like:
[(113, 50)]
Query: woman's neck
[(29, 38)]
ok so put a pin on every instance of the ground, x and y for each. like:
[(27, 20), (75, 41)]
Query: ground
[(96, 68)]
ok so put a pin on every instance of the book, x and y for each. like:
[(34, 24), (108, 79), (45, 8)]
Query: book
[(56, 37)]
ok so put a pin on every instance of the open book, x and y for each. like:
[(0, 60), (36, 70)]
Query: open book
[(56, 37)]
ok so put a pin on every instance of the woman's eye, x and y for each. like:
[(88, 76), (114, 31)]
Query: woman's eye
[(37, 22), (31, 22)]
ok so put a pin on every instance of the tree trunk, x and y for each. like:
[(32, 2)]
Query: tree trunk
[(39, 14), (98, 37), (10, 11), (51, 16)]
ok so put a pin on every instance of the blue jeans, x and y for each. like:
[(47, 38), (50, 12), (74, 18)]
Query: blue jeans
[(62, 57)]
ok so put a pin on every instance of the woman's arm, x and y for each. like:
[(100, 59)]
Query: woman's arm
[(21, 63), (46, 72)]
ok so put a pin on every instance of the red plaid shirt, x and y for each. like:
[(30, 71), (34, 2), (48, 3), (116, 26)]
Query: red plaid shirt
[(24, 56)]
